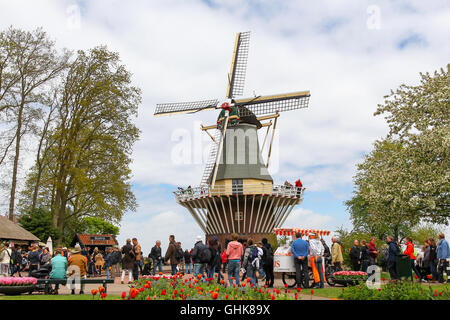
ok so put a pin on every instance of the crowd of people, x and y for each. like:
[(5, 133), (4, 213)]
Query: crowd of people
[(238, 260), (430, 260)]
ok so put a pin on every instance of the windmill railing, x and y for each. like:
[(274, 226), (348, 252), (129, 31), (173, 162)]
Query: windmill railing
[(242, 189)]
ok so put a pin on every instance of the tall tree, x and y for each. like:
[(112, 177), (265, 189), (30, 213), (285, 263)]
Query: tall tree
[(405, 180), (39, 222), (419, 120), (28, 62), (91, 143)]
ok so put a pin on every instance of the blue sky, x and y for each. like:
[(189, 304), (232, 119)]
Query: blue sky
[(349, 54)]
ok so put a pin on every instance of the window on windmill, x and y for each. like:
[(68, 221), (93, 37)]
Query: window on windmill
[(238, 215)]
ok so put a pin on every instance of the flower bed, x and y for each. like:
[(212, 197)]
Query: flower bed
[(17, 281), (175, 288), (351, 275), (16, 286)]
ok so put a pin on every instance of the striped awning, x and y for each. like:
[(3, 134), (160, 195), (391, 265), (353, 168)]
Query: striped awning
[(304, 232)]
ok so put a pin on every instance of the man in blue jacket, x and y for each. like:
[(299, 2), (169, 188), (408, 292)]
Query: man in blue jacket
[(393, 252), (443, 256), (300, 249)]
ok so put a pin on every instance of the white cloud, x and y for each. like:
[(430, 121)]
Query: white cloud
[(148, 228), (181, 51), (307, 219)]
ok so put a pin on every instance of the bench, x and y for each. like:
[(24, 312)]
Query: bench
[(48, 282)]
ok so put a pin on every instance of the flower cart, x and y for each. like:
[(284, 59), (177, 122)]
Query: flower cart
[(284, 260), (16, 285)]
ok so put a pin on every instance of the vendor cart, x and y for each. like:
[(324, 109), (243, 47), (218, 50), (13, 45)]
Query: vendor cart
[(284, 259)]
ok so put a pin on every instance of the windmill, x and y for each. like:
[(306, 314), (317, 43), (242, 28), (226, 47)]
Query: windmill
[(236, 192)]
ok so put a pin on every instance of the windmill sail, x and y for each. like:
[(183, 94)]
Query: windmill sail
[(211, 158), (185, 107), (271, 104), (236, 78)]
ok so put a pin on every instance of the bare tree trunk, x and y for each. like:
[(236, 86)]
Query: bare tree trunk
[(16, 163), (40, 164)]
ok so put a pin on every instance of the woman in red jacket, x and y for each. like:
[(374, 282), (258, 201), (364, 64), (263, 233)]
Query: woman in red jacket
[(410, 252), (224, 260)]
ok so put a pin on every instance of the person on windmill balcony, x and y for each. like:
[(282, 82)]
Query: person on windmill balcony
[(233, 111), (299, 185)]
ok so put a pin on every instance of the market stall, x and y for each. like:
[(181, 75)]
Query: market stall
[(284, 259)]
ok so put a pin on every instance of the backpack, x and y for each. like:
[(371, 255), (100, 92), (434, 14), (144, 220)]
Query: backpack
[(205, 255), (179, 254), (115, 257), (267, 256), (254, 254)]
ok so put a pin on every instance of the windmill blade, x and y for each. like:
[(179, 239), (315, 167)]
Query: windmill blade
[(185, 107), (271, 104), (236, 77)]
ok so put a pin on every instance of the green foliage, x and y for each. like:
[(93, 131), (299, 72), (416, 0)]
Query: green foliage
[(347, 239), (39, 223), (405, 180), (395, 291), (423, 232), (88, 148), (94, 225)]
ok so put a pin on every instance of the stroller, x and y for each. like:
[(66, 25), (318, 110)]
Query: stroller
[(42, 273)]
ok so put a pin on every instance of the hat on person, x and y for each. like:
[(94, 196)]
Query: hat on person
[(76, 249), (64, 248), (199, 238)]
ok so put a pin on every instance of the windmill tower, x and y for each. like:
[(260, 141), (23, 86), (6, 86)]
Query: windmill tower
[(236, 192)]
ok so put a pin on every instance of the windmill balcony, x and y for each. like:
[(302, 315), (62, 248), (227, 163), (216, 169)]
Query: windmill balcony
[(235, 190)]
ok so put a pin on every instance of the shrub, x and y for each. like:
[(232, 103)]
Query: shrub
[(395, 291)]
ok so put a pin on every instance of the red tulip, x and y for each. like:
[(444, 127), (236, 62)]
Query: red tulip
[(124, 294), (94, 292)]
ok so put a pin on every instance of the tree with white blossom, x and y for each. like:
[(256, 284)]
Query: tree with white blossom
[(406, 177)]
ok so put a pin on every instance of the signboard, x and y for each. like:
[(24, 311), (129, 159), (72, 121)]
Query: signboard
[(99, 238)]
